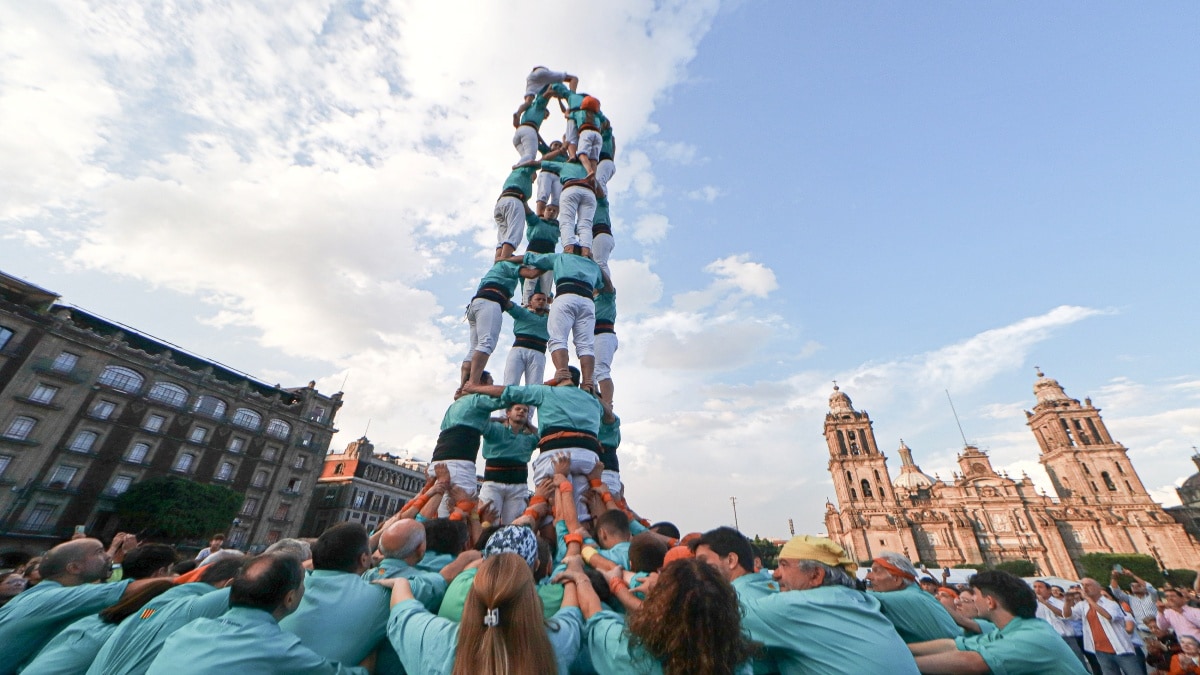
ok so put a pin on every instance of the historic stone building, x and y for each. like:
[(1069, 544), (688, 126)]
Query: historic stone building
[(358, 485), (982, 516), (1188, 511), (89, 407)]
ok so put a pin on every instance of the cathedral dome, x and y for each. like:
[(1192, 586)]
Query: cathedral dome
[(839, 402), (911, 477), (1047, 389)]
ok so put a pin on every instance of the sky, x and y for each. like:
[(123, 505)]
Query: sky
[(908, 198)]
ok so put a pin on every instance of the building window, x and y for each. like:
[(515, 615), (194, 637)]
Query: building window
[(317, 415), (20, 428), (39, 517), (225, 471), (281, 513), (301, 462), (260, 479), (63, 475), (250, 507), (1120, 470), (269, 454), (103, 410), (5, 460), (278, 429), (154, 423), (185, 462), (236, 444), (273, 536), (43, 393), (198, 434), (360, 498), (5, 335), (84, 441), (306, 439), (866, 489), (339, 469), (247, 419), (294, 485), (170, 394), (122, 379), (120, 484), (65, 362), (1108, 481), (209, 406), (137, 454)]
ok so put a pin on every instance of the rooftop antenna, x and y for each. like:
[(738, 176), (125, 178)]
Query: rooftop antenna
[(344, 379), (368, 427), (956, 420)]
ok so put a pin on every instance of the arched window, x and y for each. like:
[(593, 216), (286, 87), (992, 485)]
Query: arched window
[(853, 495), (278, 429), (260, 479), (121, 379), (185, 462), (1108, 481), (877, 479), (1120, 469), (225, 472), (339, 469), (881, 493), (137, 454), (84, 441), (247, 419), (866, 489), (1085, 469), (209, 406), (169, 394)]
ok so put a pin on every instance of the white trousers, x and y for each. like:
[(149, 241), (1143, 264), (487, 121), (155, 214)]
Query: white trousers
[(602, 248), (589, 144), (524, 362), (612, 481), (549, 187), (606, 347), (578, 208), (509, 499), (485, 318), (575, 316), (510, 221), (525, 140), (605, 170), (582, 462), (462, 474), (572, 133)]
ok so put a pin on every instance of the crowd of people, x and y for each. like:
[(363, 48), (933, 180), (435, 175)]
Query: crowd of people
[(494, 577)]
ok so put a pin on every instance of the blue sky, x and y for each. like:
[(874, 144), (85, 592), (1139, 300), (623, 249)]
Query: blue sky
[(905, 197)]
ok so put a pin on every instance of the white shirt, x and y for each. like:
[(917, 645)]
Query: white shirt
[(1056, 622), (1114, 628)]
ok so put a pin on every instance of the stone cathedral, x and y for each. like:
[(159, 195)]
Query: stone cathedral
[(982, 516)]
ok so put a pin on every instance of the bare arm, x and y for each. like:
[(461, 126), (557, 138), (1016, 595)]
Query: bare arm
[(953, 663), (493, 390), (932, 647), (459, 564)]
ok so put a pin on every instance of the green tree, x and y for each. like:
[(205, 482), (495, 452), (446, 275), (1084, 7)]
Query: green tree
[(1099, 566), (1181, 577), (174, 509), (766, 551)]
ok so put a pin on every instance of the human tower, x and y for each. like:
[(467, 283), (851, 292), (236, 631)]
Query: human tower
[(559, 292)]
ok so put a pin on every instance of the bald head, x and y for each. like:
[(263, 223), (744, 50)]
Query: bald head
[(76, 562), (403, 540)]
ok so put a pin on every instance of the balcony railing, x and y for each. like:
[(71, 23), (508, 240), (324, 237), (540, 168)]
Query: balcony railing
[(41, 404), (45, 365)]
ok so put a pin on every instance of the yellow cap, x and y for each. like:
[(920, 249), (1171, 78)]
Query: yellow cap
[(820, 549)]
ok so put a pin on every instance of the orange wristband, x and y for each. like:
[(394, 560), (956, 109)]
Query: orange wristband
[(565, 486), (532, 513), (465, 505), (457, 515), (596, 483), (606, 497), (536, 499), (573, 538), (617, 583)]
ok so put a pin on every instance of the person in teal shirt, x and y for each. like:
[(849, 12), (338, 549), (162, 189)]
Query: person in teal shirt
[(135, 643), (341, 617), (458, 441), (568, 421), (528, 120), (402, 545), (247, 638), (610, 441), (66, 594), (576, 204), (731, 554), (507, 447), (485, 315), (917, 615), (429, 644), (606, 169), (573, 313), (819, 622), (74, 649), (602, 236), (527, 357), (1021, 645), (511, 207), (543, 233)]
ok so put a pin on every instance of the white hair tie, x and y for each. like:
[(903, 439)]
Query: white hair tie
[(492, 617)]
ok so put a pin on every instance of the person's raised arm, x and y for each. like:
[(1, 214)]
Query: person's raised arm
[(1095, 604), (953, 663), (932, 647), (494, 390), (401, 589), (462, 562), (572, 82), (615, 576)]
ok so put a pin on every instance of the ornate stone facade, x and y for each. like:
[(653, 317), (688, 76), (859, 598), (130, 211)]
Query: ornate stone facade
[(984, 516)]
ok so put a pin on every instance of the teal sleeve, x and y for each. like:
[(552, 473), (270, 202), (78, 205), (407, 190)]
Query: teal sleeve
[(296, 658), (553, 167), (420, 518), (422, 640), (636, 528), (487, 403), (560, 532), (428, 588), (210, 604), (494, 432), (608, 644), (565, 630), (542, 261), (518, 312), (527, 395)]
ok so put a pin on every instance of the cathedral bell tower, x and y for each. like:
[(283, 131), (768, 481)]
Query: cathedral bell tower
[(859, 470), (1080, 456)]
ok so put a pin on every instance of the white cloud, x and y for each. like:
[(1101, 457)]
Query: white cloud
[(675, 153), (708, 193), (651, 228)]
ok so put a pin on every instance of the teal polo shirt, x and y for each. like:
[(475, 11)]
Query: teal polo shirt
[(613, 651), (73, 649), (503, 274), (499, 442), (606, 306), (427, 587), (752, 586), (136, 642), (242, 640), (472, 410), (434, 561), (456, 596), (521, 180), (1023, 647), (827, 630), (36, 615), (567, 171), (341, 617), (917, 615), (528, 323), (535, 113), (563, 407), (567, 266)]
